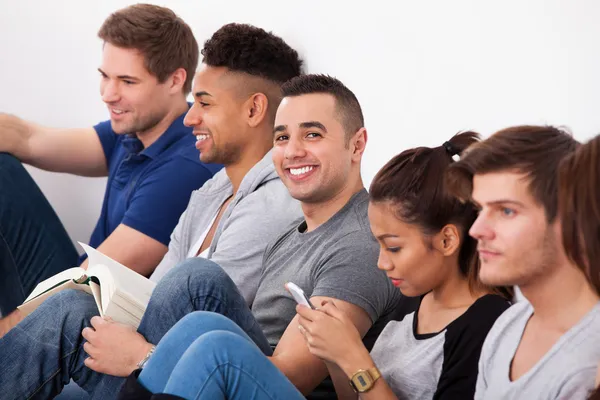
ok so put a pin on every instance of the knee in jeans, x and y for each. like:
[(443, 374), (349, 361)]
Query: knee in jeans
[(199, 319), (220, 340), (193, 272), (74, 304)]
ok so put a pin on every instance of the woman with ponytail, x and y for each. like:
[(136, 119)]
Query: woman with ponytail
[(432, 348)]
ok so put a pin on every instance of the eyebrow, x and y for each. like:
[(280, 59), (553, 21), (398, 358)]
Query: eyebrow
[(280, 128), (202, 93), (128, 77), (499, 202), (386, 235), (313, 124)]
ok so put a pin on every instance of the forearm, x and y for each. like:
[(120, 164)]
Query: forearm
[(305, 378), (14, 136)]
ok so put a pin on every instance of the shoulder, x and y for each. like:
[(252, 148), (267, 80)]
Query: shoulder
[(479, 319), (104, 128), (272, 196)]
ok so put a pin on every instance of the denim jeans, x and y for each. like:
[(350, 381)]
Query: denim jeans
[(207, 356), (33, 242), (41, 354)]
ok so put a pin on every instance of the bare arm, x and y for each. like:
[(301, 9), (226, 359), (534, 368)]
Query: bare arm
[(331, 335), (133, 249), (293, 357), (75, 151)]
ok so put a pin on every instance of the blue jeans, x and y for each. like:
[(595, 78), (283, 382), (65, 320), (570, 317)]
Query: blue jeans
[(208, 356), (45, 350), (33, 242)]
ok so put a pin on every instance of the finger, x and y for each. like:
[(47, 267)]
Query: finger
[(97, 321), (91, 364), (306, 312), (302, 330), (88, 334), (89, 349), (331, 309)]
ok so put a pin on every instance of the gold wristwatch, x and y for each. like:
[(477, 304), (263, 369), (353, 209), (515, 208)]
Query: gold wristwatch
[(364, 379)]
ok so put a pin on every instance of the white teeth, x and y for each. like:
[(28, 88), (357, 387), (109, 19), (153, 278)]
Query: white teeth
[(117, 111), (300, 171), (199, 138)]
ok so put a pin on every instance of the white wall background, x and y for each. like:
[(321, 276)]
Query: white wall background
[(422, 70)]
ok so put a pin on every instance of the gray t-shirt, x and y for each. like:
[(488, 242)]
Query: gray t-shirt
[(567, 371), (338, 260)]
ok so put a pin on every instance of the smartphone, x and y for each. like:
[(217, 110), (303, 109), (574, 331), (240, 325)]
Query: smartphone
[(299, 295)]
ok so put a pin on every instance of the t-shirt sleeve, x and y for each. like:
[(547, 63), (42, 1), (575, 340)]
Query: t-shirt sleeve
[(348, 272), (163, 195), (107, 137), (462, 348)]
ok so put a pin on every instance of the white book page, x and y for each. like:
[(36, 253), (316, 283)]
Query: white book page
[(129, 283), (61, 277)]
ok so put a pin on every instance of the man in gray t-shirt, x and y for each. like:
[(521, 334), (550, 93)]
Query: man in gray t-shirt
[(545, 346), (336, 260), (567, 371)]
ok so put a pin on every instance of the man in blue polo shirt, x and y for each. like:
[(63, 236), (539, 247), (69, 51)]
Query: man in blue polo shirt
[(148, 63)]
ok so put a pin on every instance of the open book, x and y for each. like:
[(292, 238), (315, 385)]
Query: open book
[(120, 293)]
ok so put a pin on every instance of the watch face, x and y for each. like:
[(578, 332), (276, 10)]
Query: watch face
[(361, 380)]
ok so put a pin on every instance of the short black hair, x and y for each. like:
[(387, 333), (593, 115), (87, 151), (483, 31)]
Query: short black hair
[(347, 104), (247, 48)]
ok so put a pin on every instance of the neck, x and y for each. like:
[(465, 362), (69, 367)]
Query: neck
[(317, 214), (560, 297), (250, 156), (151, 135), (454, 291)]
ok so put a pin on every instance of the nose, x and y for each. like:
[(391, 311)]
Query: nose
[(109, 90), (294, 148), (193, 117), (481, 228), (383, 262)]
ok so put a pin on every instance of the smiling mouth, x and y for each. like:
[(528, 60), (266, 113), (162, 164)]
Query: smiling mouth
[(301, 171), (200, 138)]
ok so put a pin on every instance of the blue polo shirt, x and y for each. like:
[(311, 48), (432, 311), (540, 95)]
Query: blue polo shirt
[(149, 188)]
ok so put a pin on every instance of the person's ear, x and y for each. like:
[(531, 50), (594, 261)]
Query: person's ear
[(177, 80), (358, 143), (447, 241), (256, 108)]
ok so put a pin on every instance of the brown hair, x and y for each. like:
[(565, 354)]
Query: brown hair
[(165, 40), (579, 208), (413, 183), (347, 105), (535, 151)]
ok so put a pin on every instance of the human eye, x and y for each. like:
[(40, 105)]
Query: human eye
[(313, 135), (393, 249), (281, 138), (507, 212), (203, 104)]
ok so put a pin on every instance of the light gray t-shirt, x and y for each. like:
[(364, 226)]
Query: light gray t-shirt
[(567, 371), (338, 260)]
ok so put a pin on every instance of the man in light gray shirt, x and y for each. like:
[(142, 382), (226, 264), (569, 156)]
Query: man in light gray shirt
[(547, 346)]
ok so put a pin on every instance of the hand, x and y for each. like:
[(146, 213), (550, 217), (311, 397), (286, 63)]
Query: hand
[(114, 348), (330, 334), (10, 321)]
